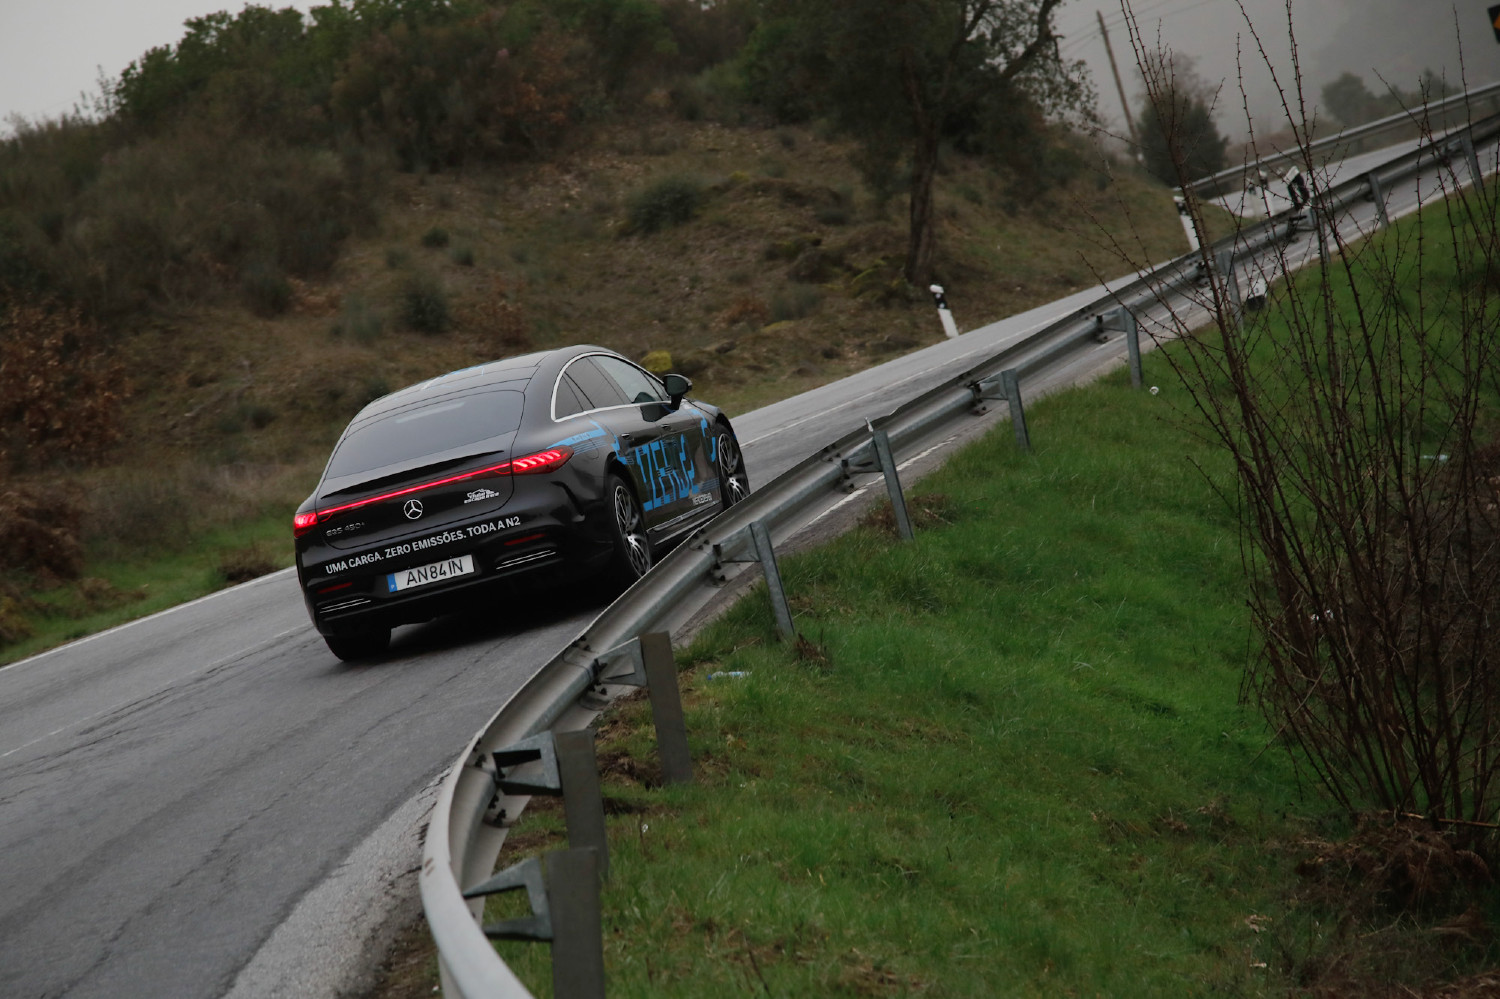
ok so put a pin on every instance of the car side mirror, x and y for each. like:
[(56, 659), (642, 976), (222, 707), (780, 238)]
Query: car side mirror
[(677, 386)]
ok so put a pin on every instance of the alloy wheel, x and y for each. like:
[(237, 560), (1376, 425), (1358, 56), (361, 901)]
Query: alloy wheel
[(632, 531)]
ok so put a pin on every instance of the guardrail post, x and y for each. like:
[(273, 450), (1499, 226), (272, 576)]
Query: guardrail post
[(767, 555), (1475, 173), (564, 904), (1133, 347), (1224, 263), (577, 926), (583, 804), (1123, 319), (654, 667), (1377, 194), (666, 708), (882, 443), (567, 767), (1011, 386), (756, 538)]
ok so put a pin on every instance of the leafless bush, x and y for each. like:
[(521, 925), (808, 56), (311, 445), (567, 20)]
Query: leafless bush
[(1359, 414), (39, 534), (59, 393)]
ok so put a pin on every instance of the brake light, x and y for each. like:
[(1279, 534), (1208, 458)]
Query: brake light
[(542, 461)]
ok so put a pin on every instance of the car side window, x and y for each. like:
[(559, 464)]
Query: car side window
[(638, 386), (592, 386), (566, 401)]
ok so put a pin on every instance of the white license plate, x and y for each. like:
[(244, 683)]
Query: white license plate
[(424, 575)]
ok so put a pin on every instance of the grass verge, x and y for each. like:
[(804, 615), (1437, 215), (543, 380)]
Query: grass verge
[(1008, 758), (125, 588)]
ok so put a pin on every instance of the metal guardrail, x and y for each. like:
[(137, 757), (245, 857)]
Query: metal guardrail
[(474, 809), (1434, 116)]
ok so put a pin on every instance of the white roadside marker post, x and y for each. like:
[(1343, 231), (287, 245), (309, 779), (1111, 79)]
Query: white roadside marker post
[(950, 328), (1186, 218)]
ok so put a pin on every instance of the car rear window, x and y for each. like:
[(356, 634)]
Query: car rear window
[(440, 426)]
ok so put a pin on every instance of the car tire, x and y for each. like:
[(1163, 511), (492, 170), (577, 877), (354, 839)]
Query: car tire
[(359, 645), (734, 482), (627, 523)]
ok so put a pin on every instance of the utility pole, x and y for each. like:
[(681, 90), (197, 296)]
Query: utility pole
[(1135, 142)]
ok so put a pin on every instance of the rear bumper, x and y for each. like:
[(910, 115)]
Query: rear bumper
[(544, 542)]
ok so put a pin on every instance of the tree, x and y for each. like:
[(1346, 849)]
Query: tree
[(1179, 140), (1350, 101), (903, 75)]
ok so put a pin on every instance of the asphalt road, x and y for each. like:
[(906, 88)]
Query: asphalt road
[(206, 802)]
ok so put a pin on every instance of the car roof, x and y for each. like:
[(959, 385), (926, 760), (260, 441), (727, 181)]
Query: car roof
[(508, 373)]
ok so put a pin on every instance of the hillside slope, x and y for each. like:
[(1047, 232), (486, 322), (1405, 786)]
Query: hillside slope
[(782, 274)]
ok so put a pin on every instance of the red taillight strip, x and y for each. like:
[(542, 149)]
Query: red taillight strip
[(542, 461)]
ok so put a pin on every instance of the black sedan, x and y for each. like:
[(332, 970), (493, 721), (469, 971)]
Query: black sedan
[(550, 466)]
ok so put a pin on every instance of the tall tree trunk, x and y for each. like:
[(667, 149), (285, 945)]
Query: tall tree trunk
[(920, 237)]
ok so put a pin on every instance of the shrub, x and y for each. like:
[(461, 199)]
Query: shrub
[(667, 202), (243, 565), (424, 304), (59, 392), (477, 89), (435, 238), (463, 256), (373, 389), (14, 609), (834, 215), (180, 216), (501, 319), (359, 319), (266, 290), (39, 533), (795, 302)]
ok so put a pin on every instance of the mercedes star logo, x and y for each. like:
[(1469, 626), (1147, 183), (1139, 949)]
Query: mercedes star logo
[(412, 509)]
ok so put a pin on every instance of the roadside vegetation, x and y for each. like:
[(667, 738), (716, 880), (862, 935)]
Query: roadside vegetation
[(270, 222), (1005, 759), (1033, 752)]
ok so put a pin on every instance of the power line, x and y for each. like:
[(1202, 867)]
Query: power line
[(1074, 43)]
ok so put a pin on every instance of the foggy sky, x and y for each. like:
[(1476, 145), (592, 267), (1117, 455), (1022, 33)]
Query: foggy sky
[(51, 51), (1390, 39)]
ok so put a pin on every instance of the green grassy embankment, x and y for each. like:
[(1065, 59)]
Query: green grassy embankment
[(1008, 758)]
